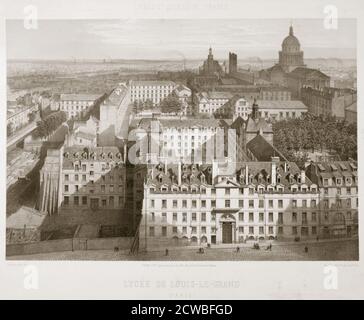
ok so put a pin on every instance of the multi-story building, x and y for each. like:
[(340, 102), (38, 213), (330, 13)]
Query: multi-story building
[(114, 115), (153, 91), (77, 105), (280, 110), (184, 95), (278, 93), (215, 204), (212, 102), (301, 77), (338, 196), (184, 137), (77, 178), (328, 101), (18, 116)]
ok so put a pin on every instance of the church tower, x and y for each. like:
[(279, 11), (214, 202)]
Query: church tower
[(291, 57)]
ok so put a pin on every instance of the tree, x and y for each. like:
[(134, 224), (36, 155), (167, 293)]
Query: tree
[(9, 129), (31, 116), (171, 104)]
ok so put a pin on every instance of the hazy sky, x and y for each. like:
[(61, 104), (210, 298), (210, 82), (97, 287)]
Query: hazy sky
[(174, 39)]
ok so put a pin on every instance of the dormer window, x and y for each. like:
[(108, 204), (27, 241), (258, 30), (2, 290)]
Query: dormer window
[(298, 178), (268, 178), (339, 181), (348, 180), (241, 179), (250, 178), (278, 178), (164, 189)]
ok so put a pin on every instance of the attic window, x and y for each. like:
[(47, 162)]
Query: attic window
[(279, 178), (333, 167), (321, 167), (164, 189)]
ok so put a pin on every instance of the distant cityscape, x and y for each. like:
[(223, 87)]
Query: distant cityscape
[(183, 160)]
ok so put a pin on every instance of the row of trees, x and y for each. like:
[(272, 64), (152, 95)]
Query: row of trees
[(310, 133), (169, 104), (49, 124)]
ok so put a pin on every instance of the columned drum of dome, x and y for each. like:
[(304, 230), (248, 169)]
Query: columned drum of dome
[(291, 56)]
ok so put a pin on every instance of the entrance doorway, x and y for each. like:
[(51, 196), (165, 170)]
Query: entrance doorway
[(227, 232), (94, 203)]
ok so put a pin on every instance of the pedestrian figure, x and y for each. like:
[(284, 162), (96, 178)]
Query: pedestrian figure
[(167, 252), (237, 249), (270, 247), (317, 238), (306, 249)]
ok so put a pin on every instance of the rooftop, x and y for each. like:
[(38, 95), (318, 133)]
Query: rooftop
[(79, 97), (285, 104), (141, 83)]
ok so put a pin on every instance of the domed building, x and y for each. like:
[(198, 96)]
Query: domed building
[(291, 56)]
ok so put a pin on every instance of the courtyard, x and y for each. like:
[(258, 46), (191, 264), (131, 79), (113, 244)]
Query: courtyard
[(331, 250)]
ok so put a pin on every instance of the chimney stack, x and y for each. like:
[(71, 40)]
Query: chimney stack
[(214, 170), (303, 176), (179, 173), (275, 161)]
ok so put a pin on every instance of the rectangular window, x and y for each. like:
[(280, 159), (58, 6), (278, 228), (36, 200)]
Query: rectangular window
[(203, 216), (270, 216), (294, 230), (213, 216), (164, 231), (174, 203), (251, 230), (203, 203), (227, 203), (241, 229), (83, 167), (294, 217), (251, 204), (164, 204), (261, 230), (66, 200), (241, 203), (270, 203), (151, 231), (294, 203), (270, 230), (241, 216), (213, 203), (314, 216), (280, 203), (111, 200), (261, 216), (174, 216), (184, 203), (314, 230), (84, 200), (280, 217), (184, 217), (174, 229), (194, 216), (280, 230), (251, 216), (83, 177), (76, 201), (194, 203), (152, 203), (66, 187), (103, 202), (66, 177)]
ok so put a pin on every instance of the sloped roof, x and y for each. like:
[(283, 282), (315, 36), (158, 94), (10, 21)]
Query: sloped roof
[(303, 73), (257, 125), (284, 104), (79, 97), (262, 149)]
